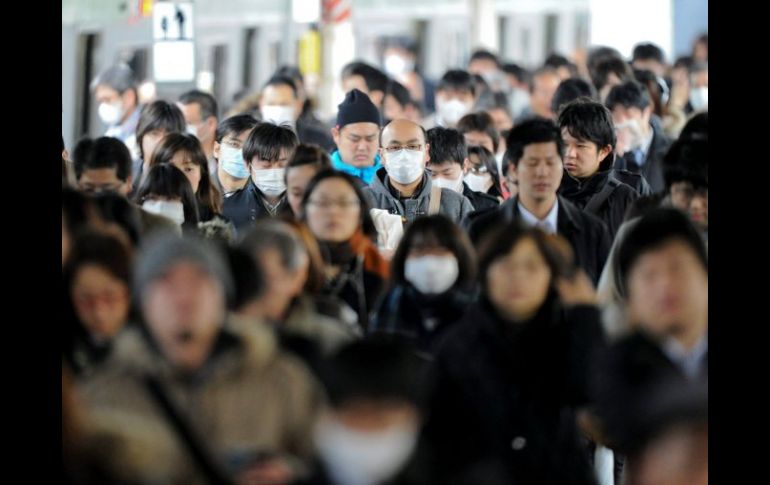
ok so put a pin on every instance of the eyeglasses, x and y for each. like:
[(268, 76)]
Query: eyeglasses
[(395, 148), (342, 204)]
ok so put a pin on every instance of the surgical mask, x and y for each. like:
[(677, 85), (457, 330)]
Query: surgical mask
[(111, 113), (231, 160), (191, 129), (451, 184), (431, 275), (363, 458), (396, 65), (699, 98), (478, 183), (635, 137), (171, 209), (499, 161), (279, 115), (404, 166), (451, 111), (270, 181), (518, 100)]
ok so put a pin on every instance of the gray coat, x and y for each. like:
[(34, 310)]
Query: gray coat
[(453, 205)]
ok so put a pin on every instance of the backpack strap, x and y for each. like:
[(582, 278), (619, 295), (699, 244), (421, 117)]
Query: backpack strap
[(601, 197), (435, 200)]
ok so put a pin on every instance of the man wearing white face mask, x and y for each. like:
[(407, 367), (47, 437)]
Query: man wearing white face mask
[(369, 434), (266, 152), (280, 104), (642, 143), (455, 96), (115, 92), (403, 185), (232, 173)]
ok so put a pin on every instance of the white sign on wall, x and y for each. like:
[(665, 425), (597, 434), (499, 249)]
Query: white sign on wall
[(174, 50)]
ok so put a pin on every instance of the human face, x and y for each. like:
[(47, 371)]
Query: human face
[(94, 180), (191, 170), (539, 173), (543, 88), (297, 179), (357, 143), (333, 211), (479, 139), (582, 157), (101, 301), (151, 140), (205, 130)]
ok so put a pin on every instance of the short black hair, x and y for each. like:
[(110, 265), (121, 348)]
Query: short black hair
[(516, 70), (492, 100), (234, 125), (399, 93), (446, 145), (291, 72), (267, 140), (648, 51), (103, 152), (586, 119), (630, 94), (113, 207), (206, 101), (535, 130), (484, 55), (375, 79), (571, 89), (610, 65), (458, 80), (159, 115), (687, 161), (500, 240), (279, 80), (275, 234), (653, 230), (441, 231), (102, 249), (557, 60), (377, 368), (248, 276), (482, 122), (309, 154)]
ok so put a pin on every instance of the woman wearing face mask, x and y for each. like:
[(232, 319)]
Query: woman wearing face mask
[(431, 283), (481, 173), (184, 151), (515, 368), (168, 193), (97, 277), (336, 211)]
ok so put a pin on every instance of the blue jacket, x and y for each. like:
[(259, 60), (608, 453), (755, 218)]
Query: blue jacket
[(364, 173)]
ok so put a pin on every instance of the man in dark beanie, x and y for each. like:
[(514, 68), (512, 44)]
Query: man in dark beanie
[(663, 268), (355, 133), (245, 403)]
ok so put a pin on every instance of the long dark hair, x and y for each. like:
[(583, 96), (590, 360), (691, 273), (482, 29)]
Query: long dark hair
[(167, 180), (208, 195)]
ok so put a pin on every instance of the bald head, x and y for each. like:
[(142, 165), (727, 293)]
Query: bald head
[(402, 132)]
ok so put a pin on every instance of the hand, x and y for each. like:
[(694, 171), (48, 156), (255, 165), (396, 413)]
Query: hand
[(577, 291)]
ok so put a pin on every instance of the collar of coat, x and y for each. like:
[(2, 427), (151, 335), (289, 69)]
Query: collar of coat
[(240, 343), (567, 219)]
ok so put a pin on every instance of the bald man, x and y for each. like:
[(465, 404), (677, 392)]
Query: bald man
[(402, 186)]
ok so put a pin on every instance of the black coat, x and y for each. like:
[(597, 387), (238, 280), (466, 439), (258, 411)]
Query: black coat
[(613, 210), (506, 393), (587, 235), (246, 206), (420, 318), (652, 169), (627, 378), (480, 200)]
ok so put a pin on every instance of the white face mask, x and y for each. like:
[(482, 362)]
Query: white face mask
[(269, 180), (634, 130), (171, 209), (699, 98), (478, 183), (451, 111), (405, 166), (231, 161), (396, 65), (451, 184), (519, 101), (279, 115), (111, 113), (361, 458), (431, 275)]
